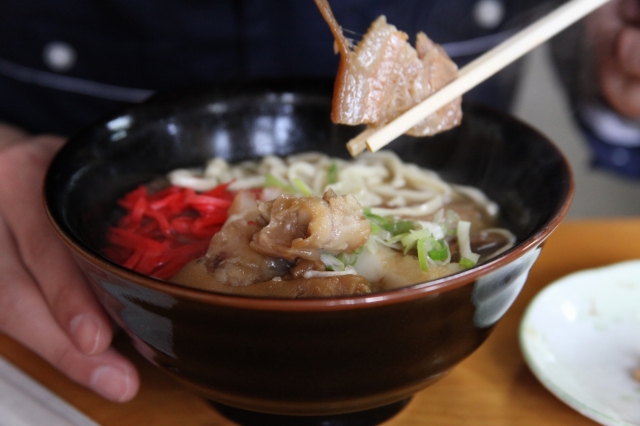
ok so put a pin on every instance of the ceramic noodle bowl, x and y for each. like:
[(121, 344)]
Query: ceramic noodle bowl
[(313, 357)]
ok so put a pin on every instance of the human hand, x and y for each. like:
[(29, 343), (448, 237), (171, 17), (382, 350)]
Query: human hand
[(45, 302), (615, 31)]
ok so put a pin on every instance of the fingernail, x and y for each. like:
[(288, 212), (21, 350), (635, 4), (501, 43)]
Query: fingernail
[(85, 330), (111, 382)]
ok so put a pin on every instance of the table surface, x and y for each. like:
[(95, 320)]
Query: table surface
[(492, 387)]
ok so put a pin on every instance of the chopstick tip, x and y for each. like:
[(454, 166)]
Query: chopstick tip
[(359, 143), (355, 150)]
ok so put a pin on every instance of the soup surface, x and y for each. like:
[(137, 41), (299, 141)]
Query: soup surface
[(307, 225)]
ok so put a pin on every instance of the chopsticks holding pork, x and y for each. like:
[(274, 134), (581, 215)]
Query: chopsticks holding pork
[(383, 76), (471, 75)]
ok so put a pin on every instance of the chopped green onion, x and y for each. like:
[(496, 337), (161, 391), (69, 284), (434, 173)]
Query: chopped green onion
[(436, 229), (400, 227), (374, 217), (371, 245), (439, 252), (348, 259), (422, 258), (359, 250), (464, 241), (450, 224), (412, 237), (332, 173), (398, 237), (271, 181), (467, 263), (331, 262), (384, 235), (302, 187), (378, 223), (395, 227)]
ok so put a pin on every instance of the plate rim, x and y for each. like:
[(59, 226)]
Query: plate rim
[(532, 362)]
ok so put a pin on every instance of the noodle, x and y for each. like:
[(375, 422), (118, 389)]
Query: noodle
[(374, 179), (307, 225), (416, 228)]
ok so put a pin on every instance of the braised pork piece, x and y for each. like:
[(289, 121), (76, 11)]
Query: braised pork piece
[(274, 248), (383, 76)]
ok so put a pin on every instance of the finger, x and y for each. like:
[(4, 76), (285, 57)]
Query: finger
[(44, 255), (25, 316), (621, 91), (630, 11), (628, 51), (10, 134)]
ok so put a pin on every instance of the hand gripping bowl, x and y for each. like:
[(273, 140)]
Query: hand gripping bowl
[(314, 357)]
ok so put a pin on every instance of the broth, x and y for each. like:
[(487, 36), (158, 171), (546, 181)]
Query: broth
[(309, 225)]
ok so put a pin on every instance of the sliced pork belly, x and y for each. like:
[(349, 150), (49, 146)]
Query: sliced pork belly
[(304, 228), (273, 249), (231, 262), (383, 76)]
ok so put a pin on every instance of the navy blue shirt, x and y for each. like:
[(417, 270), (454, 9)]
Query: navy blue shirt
[(65, 63)]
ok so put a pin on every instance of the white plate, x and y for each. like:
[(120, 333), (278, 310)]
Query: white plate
[(581, 338), (25, 402)]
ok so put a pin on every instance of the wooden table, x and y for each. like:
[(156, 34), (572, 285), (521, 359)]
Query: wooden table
[(492, 387)]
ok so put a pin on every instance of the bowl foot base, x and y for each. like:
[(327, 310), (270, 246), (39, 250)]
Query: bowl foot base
[(369, 417)]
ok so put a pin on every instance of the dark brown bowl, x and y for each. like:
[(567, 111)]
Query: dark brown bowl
[(302, 357)]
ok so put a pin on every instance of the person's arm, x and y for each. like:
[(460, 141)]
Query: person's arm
[(599, 63), (45, 302)]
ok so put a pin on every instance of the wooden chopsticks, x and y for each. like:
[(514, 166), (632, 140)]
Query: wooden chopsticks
[(476, 72)]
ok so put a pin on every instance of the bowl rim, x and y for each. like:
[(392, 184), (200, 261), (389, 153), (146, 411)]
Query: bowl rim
[(385, 297)]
